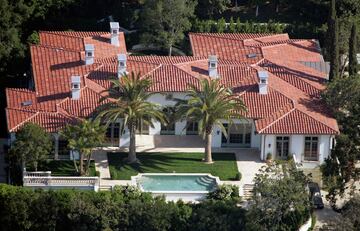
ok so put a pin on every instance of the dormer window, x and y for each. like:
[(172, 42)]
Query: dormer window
[(89, 54), (263, 81), (121, 64), (213, 65)]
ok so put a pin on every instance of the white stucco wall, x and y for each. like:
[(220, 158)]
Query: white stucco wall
[(297, 143)]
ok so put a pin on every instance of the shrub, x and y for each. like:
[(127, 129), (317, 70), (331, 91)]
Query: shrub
[(225, 192)]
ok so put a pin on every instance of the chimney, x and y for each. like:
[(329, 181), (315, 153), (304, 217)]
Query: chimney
[(89, 54), (213, 62), (121, 69), (75, 87), (263, 84), (114, 30)]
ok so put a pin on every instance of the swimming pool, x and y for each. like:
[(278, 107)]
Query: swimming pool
[(175, 186)]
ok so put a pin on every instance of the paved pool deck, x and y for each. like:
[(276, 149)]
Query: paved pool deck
[(247, 161)]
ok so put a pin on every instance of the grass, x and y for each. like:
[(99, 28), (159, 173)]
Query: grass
[(64, 168), (224, 166)]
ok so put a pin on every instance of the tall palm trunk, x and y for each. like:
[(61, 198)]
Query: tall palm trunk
[(88, 164), (81, 164), (208, 155), (132, 147), (257, 11)]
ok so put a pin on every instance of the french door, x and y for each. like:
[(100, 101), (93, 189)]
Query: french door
[(282, 147)]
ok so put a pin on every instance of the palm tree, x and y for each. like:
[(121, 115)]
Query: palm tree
[(128, 100), (210, 105), (84, 137)]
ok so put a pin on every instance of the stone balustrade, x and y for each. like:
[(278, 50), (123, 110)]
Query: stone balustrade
[(46, 181)]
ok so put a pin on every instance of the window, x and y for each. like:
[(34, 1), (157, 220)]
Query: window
[(76, 86), (192, 128), (282, 146), (213, 65), (142, 128), (89, 54), (63, 147), (167, 129), (311, 148), (121, 64), (238, 135)]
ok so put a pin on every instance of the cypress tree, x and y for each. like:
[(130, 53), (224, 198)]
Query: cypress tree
[(334, 46), (353, 64)]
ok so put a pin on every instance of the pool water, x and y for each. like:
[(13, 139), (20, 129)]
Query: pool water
[(177, 183)]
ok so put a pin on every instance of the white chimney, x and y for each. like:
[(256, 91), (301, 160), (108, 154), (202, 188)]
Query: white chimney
[(121, 69), (89, 54), (213, 62), (75, 87), (263, 83), (114, 30)]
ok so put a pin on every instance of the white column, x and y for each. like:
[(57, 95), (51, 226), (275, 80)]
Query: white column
[(12, 138), (216, 137), (125, 139), (180, 128), (156, 129), (56, 146)]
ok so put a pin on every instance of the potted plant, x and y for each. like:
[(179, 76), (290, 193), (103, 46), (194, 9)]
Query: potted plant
[(269, 158)]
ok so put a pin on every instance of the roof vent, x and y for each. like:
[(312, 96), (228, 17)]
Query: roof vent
[(213, 63), (89, 54), (26, 103), (263, 83), (121, 69), (251, 56), (75, 87), (114, 30)]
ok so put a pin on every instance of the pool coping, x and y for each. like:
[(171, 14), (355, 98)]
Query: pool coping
[(139, 175)]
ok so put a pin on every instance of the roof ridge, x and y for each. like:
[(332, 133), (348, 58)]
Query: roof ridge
[(276, 120), (59, 32), (54, 48), (25, 121)]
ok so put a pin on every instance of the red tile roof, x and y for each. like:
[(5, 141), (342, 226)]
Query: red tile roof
[(292, 104)]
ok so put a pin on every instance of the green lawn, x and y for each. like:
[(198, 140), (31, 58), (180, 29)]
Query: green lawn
[(224, 166), (63, 167)]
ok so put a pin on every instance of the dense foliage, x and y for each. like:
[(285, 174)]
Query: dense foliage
[(349, 219), (32, 145), (163, 23), (343, 97), (125, 208), (281, 201), (83, 138)]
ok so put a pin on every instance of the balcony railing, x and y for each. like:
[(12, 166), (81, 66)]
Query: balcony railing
[(45, 180)]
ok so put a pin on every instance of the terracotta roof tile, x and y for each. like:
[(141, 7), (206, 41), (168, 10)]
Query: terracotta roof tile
[(292, 104)]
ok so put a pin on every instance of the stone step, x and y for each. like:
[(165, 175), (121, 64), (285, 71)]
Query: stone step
[(105, 188)]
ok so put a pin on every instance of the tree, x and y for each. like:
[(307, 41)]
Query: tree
[(280, 199), (333, 31), (349, 219), (163, 22), (343, 97), (129, 101), (256, 3), (210, 104), (208, 8), (32, 145), (84, 137), (353, 64)]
